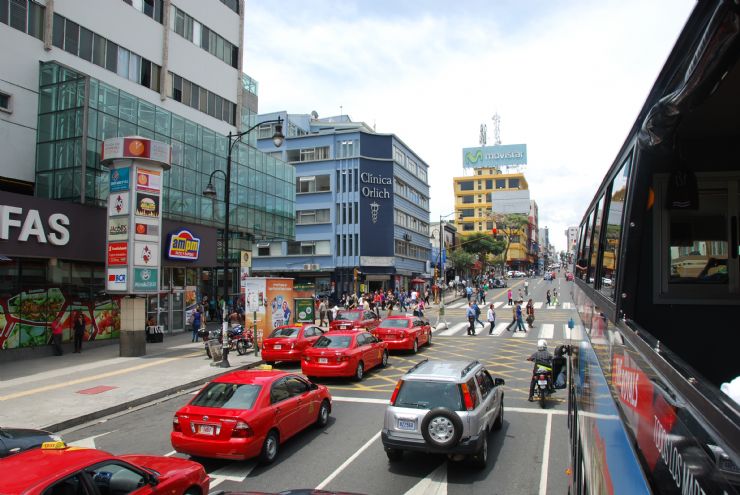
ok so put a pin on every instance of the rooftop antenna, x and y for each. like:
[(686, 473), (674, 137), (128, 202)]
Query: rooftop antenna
[(496, 129), (315, 114), (341, 110), (483, 135)]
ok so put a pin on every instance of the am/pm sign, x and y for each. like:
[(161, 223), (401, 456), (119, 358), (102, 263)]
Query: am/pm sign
[(183, 245)]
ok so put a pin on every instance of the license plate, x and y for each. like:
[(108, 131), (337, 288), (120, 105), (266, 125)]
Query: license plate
[(277, 347), (205, 430), (404, 424), (323, 360), (541, 382)]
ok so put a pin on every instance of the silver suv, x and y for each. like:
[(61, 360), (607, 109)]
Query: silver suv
[(446, 407)]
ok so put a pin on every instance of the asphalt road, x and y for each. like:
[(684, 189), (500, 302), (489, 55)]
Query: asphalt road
[(529, 455)]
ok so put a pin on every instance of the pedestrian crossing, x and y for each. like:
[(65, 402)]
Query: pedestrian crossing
[(499, 304), (547, 331)]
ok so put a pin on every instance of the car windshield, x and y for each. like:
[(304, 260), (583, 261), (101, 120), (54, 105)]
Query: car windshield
[(334, 341), (349, 315), (395, 323), (291, 332), (428, 395), (227, 395)]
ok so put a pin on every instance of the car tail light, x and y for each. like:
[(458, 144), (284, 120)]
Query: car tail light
[(176, 424), (241, 430), (467, 398), (395, 392), (307, 359), (292, 345), (342, 358)]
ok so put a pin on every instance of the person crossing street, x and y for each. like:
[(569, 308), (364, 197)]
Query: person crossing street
[(491, 317), (470, 314)]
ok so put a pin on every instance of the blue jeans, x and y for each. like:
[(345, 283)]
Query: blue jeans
[(196, 327), (520, 325)]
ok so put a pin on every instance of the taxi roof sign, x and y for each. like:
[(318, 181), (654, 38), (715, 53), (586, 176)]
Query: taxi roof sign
[(58, 445)]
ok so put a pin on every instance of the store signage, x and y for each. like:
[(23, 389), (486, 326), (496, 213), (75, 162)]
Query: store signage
[(183, 245), (118, 253), (145, 279), (372, 190), (502, 155), (134, 210), (119, 179), (116, 279), (15, 224)]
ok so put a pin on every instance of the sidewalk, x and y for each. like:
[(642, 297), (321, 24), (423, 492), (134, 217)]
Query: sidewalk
[(58, 392)]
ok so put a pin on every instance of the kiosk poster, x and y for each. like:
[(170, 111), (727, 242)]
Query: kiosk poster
[(304, 310), (279, 301)]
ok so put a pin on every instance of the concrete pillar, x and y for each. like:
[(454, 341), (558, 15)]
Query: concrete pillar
[(133, 327)]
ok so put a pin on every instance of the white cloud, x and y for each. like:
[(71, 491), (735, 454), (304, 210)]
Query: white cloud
[(567, 81)]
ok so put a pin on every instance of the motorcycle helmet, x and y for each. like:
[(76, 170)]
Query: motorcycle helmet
[(542, 345)]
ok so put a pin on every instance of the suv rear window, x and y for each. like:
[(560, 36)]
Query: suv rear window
[(349, 315), (428, 395), (227, 396)]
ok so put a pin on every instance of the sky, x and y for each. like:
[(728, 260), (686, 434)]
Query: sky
[(567, 78)]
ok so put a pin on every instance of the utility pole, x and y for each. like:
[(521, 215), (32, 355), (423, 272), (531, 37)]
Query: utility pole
[(496, 129)]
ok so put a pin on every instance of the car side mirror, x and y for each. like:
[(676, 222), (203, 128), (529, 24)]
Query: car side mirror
[(314, 386), (152, 479), (498, 382)]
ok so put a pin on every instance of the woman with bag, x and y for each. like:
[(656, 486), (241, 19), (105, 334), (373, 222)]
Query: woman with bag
[(79, 332), (530, 313), (195, 319)]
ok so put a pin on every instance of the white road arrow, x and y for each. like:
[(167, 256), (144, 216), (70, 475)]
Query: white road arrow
[(236, 472), (88, 442), (434, 484)]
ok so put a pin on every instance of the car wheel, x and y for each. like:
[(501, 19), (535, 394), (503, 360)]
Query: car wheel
[(384, 360), (270, 363), (323, 417), (415, 349), (270, 448), (442, 427), (241, 347), (360, 371), (394, 455), (192, 491), (429, 338), (500, 418), (480, 458)]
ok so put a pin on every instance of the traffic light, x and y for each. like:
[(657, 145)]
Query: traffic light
[(494, 230)]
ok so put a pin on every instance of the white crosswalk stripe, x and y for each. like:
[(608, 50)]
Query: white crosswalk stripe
[(498, 304), (547, 331), (454, 329), (566, 305), (520, 335), (538, 305), (500, 328)]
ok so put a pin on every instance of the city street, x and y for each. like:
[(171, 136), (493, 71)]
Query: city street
[(528, 455)]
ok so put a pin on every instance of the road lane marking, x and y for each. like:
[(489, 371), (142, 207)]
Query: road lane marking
[(538, 305), (170, 453), (99, 377), (498, 304), (545, 456), (88, 442), (566, 331), (346, 463), (363, 400), (454, 329), (566, 305), (434, 484), (547, 331), (500, 328), (519, 335), (534, 411)]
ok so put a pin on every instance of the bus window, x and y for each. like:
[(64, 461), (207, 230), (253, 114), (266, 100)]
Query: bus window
[(583, 254), (592, 272), (613, 231)]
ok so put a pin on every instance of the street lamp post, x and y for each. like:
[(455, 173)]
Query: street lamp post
[(210, 192), (439, 259)]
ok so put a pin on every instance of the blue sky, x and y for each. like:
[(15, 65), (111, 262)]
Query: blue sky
[(567, 78)]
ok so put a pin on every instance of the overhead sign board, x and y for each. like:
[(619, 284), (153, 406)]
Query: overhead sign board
[(502, 155)]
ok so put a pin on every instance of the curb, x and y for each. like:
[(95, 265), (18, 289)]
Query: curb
[(72, 422)]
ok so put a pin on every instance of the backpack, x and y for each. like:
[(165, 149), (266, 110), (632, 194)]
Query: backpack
[(477, 311)]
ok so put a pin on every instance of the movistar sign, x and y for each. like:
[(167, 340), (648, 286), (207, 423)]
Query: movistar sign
[(495, 156)]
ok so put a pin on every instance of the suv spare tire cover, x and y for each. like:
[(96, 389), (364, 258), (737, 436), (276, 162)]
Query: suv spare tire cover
[(444, 413)]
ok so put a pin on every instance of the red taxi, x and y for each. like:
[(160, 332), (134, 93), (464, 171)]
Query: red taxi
[(344, 353), (404, 332), (247, 414), (354, 319), (55, 468), (288, 342)]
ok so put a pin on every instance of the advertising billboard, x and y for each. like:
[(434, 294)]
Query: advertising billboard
[(376, 209), (502, 155), (270, 300)]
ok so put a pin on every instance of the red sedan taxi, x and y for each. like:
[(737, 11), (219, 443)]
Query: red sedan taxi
[(354, 319), (288, 342), (247, 414), (404, 332), (55, 468), (344, 353)]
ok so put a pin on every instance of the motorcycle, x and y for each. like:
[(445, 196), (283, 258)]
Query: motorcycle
[(543, 384), (239, 340)]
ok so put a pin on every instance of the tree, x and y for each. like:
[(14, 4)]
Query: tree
[(483, 244), (509, 225), (462, 260)]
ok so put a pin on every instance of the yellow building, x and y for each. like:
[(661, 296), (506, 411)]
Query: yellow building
[(488, 192)]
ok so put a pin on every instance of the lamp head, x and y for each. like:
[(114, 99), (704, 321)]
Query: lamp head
[(209, 191), (278, 138)]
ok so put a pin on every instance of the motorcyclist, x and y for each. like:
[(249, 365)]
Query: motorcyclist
[(542, 359)]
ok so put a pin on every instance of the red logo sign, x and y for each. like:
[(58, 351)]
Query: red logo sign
[(118, 253)]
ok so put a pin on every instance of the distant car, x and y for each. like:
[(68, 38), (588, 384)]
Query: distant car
[(548, 276), (358, 319), (498, 283), (17, 440), (288, 342), (55, 468), (246, 414), (404, 332), (344, 353), (606, 282)]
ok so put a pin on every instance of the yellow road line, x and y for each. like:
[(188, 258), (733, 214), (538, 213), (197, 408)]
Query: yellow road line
[(56, 386)]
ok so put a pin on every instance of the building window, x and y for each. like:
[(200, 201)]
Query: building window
[(5, 102), (232, 4), (206, 38), (467, 212), (296, 248), (489, 184), (311, 184), (467, 185), (348, 148), (150, 8), (263, 250), (308, 154), (399, 156), (198, 98), (468, 227), (500, 183), (513, 183), (311, 217)]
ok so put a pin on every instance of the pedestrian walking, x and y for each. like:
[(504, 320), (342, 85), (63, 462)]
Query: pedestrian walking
[(56, 337), (526, 287), (521, 297), (519, 317), (477, 314), (513, 319), (470, 313), (79, 331), (322, 312), (491, 317), (195, 319), (483, 296), (508, 294), (555, 297), (530, 313), (469, 292), (549, 296)]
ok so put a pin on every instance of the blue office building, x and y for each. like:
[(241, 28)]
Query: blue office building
[(362, 208)]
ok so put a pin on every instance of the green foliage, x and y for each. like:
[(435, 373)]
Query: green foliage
[(481, 243), (462, 260)]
